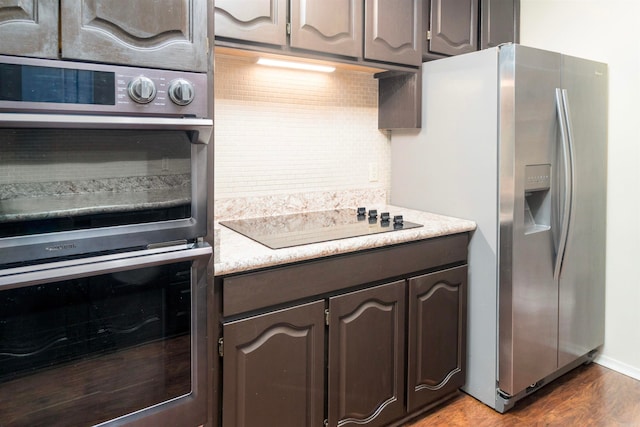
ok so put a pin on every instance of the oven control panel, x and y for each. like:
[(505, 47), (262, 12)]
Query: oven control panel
[(162, 91), (44, 85)]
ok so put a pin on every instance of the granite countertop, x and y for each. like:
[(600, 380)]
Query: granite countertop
[(235, 253)]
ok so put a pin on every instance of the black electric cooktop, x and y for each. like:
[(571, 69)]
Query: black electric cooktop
[(284, 231)]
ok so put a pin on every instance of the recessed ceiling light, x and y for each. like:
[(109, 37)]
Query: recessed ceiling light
[(295, 65)]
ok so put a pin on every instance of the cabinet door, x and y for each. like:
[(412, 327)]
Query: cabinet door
[(29, 28), (273, 369), (392, 31), (437, 336), (452, 26), (260, 21), (366, 356), (499, 22), (168, 34), (330, 26)]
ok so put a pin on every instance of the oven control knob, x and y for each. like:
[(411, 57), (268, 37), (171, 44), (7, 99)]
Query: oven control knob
[(142, 90), (181, 92)]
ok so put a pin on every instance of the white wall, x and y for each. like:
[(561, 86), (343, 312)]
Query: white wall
[(606, 30)]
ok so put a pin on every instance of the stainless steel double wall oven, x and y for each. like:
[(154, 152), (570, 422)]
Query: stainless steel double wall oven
[(103, 206)]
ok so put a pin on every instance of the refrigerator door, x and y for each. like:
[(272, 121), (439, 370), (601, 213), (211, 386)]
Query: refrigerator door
[(528, 293), (582, 270)]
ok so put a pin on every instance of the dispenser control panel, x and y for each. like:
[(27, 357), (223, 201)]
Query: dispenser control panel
[(537, 177)]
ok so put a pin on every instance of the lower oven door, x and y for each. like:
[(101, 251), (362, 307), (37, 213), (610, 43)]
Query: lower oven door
[(116, 339)]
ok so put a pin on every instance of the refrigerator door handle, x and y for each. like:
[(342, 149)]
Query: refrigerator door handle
[(567, 155)]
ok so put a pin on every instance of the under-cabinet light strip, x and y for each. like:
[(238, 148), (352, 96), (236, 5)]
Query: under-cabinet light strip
[(295, 65)]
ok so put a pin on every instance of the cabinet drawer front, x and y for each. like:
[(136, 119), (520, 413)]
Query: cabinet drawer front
[(253, 291)]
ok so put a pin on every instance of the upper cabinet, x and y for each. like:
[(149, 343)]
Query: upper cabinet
[(499, 22), (259, 21), (392, 31), (313, 26), (169, 34), (451, 27), (29, 28), (389, 31), (335, 29)]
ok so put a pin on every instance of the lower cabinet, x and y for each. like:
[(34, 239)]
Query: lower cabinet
[(437, 336), (371, 354), (367, 356), (273, 369)]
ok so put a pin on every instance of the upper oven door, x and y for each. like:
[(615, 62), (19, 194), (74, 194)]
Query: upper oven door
[(79, 184)]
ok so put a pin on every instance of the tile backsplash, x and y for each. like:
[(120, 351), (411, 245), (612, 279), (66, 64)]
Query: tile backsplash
[(280, 132)]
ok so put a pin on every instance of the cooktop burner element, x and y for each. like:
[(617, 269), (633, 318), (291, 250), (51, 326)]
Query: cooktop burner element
[(284, 231)]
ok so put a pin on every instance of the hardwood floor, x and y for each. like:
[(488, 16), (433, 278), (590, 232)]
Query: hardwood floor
[(590, 395)]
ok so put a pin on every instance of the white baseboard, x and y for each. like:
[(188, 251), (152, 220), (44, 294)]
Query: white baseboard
[(623, 368)]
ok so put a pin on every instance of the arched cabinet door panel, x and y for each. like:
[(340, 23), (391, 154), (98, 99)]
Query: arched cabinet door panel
[(29, 28), (499, 22), (452, 27), (168, 34), (393, 31), (437, 335), (258, 21), (329, 26), (273, 369), (367, 356)]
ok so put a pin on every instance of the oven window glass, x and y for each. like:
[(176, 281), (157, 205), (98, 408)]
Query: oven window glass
[(54, 180), (84, 351)]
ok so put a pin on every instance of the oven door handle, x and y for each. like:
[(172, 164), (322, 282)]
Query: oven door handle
[(104, 264), (204, 127)]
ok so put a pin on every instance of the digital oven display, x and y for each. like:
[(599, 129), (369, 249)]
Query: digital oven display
[(29, 83)]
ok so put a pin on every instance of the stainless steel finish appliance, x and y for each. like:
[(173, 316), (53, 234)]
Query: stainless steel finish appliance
[(97, 158), (515, 138), (103, 273), (111, 340)]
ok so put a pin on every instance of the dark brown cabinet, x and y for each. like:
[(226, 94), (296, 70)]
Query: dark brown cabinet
[(392, 31), (335, 341), (29, 28), (366, 356), (312, 26), (437, 336), (169, 34), (452, 27), (263, 21), (499, 22), (334, 28), (273, 370), (354, 31)]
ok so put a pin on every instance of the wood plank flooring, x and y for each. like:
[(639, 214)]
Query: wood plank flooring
[(589, 395)]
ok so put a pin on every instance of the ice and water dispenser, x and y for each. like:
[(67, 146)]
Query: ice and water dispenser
[(537, 198)]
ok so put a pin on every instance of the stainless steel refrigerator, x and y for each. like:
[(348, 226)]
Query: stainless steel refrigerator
[(515, 138)]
